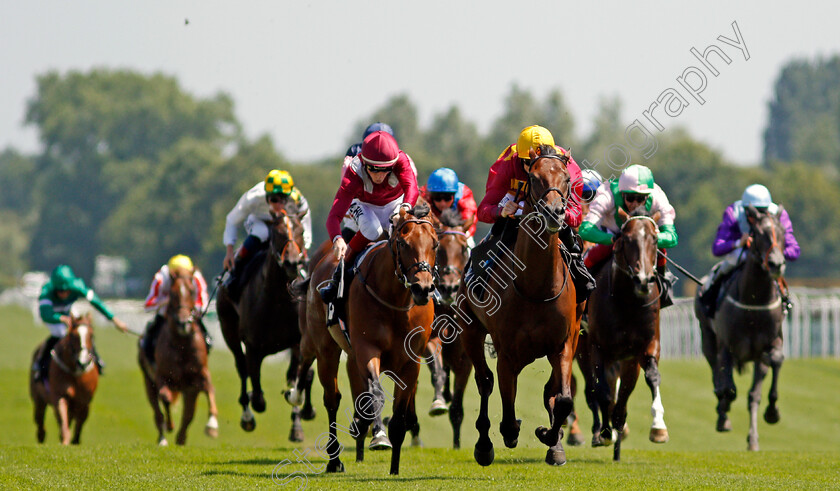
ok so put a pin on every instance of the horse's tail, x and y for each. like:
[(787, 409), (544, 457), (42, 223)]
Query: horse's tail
[(298, 288)]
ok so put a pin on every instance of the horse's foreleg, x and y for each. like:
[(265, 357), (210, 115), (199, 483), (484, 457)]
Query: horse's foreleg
[(190, 397), (658, 429), (473, 339), (404, 416), (328, 375), (774, 358), (724, 389), (584, 358), (629, 373), (246, 421), (753, 401), (557, 397), (509, 427), (80, 415), (254, 366), (211, 429), (433, 350), (456, 408), (62, 415), (601, 394), (372, 404)]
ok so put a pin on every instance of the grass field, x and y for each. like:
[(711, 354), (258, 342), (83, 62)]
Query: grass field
[(118, 444)]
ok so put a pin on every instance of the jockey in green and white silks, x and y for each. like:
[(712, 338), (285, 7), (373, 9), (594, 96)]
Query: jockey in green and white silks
[(634, 188)]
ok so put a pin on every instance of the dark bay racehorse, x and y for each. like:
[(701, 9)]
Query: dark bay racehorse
[(624, 328), (71, 381), (180, 363), (265, 320), (529, 310), (748, 324), (389, 317)]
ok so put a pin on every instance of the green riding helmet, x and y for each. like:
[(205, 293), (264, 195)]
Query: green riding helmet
[(62, 277)]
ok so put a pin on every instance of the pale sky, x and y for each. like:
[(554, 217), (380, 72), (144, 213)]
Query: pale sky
[(305, 72)]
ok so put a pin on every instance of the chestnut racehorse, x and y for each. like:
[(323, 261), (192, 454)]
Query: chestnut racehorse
[(748, 324), (624, 328), (389, 318), (529, 310), (180, 363), (265, 320), (71, 381)]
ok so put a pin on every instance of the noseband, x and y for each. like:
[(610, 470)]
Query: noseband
[(399, 271), (280, 256), (626, 268), (536, 204)]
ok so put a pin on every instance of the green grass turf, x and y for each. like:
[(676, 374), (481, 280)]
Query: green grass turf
[(118, 443)]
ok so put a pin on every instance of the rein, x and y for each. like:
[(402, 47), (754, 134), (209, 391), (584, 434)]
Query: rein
[(380, 299), (400, 272), (68, 370), (545, 300)]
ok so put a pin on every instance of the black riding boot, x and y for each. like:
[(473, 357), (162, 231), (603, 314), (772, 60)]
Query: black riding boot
[(208, 339), (98, 360), (668, 280), (231, 281), (150, 337), (581, 277), (42, 364), (335, 292)]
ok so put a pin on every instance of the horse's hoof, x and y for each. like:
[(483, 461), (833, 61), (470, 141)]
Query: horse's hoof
[(335, 466), (380, 442), (625, 432), (416, 442), (293, 397), (575, 439), (752, 447), (484, 457), (258, 403), (658, 435), (163, 443), (597, 441), (771, 415), (248, 424), (307, 414), (511, 443), (438, 408), (608, 436), (296, 434), (42, 435), (555, 457), (723, 424), (211, 432), (542, 435)]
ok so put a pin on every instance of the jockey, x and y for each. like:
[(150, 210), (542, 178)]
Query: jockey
[(377, 184), (56, 309), (602, 224), (158, 297), (507, 179), (259, 205), (356, 148), (443, 190), (733, 240)]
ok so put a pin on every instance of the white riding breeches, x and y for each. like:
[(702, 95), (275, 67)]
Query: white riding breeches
[(256, 226), (372, 220)]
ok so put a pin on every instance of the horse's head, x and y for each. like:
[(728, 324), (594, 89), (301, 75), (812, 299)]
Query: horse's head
[(77, 353), (635, 249), (287, 246), (414, 243), (548, 187), (453, 253), (181, 307), (768, 241)]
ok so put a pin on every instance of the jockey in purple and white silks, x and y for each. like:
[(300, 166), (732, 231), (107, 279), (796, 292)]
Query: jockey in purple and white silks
[(733, 240)]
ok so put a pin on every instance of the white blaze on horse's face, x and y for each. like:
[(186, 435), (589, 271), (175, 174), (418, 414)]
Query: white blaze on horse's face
[(84, 353)]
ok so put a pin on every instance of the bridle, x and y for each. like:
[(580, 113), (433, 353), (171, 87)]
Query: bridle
[(81, 367), (394, 244), (449, 269), (291, 246), (174, 309), (625, 268), (536, 204), (764, 260)]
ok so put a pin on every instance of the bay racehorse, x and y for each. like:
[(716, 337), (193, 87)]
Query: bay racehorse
[(624, 328), (180, 363), (748, 324), (389, 318), (265, 320), (71, 381), (528, 309)]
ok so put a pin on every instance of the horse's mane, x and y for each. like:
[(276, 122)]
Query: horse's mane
[(640, 211), (451, 218), (547, 150)]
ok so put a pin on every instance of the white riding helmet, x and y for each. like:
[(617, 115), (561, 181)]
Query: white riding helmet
[(756, 195), (636, 179)]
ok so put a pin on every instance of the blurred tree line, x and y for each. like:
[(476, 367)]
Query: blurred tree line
[(134, 166)]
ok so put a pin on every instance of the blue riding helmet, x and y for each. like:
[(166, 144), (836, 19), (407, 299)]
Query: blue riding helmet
[(443, 180), (377, 126), (591, 180)]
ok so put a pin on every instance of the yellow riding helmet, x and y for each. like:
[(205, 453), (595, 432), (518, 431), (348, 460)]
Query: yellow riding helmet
[(531, 138), (180, 261), (279, 182)]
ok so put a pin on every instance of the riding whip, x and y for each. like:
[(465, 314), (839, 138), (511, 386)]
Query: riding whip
[(680, 268)]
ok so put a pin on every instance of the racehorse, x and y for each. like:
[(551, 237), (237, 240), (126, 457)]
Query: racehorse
[(265, 319), (748, 324), (389, 319), (533, 313), (624, 328), (180, 363), (71, 381)]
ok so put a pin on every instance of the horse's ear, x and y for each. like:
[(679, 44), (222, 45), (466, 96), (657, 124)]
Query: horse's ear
[(656, 216), (532, 154), (623, 214), (779, 210), (752, 214), (469, 223)]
